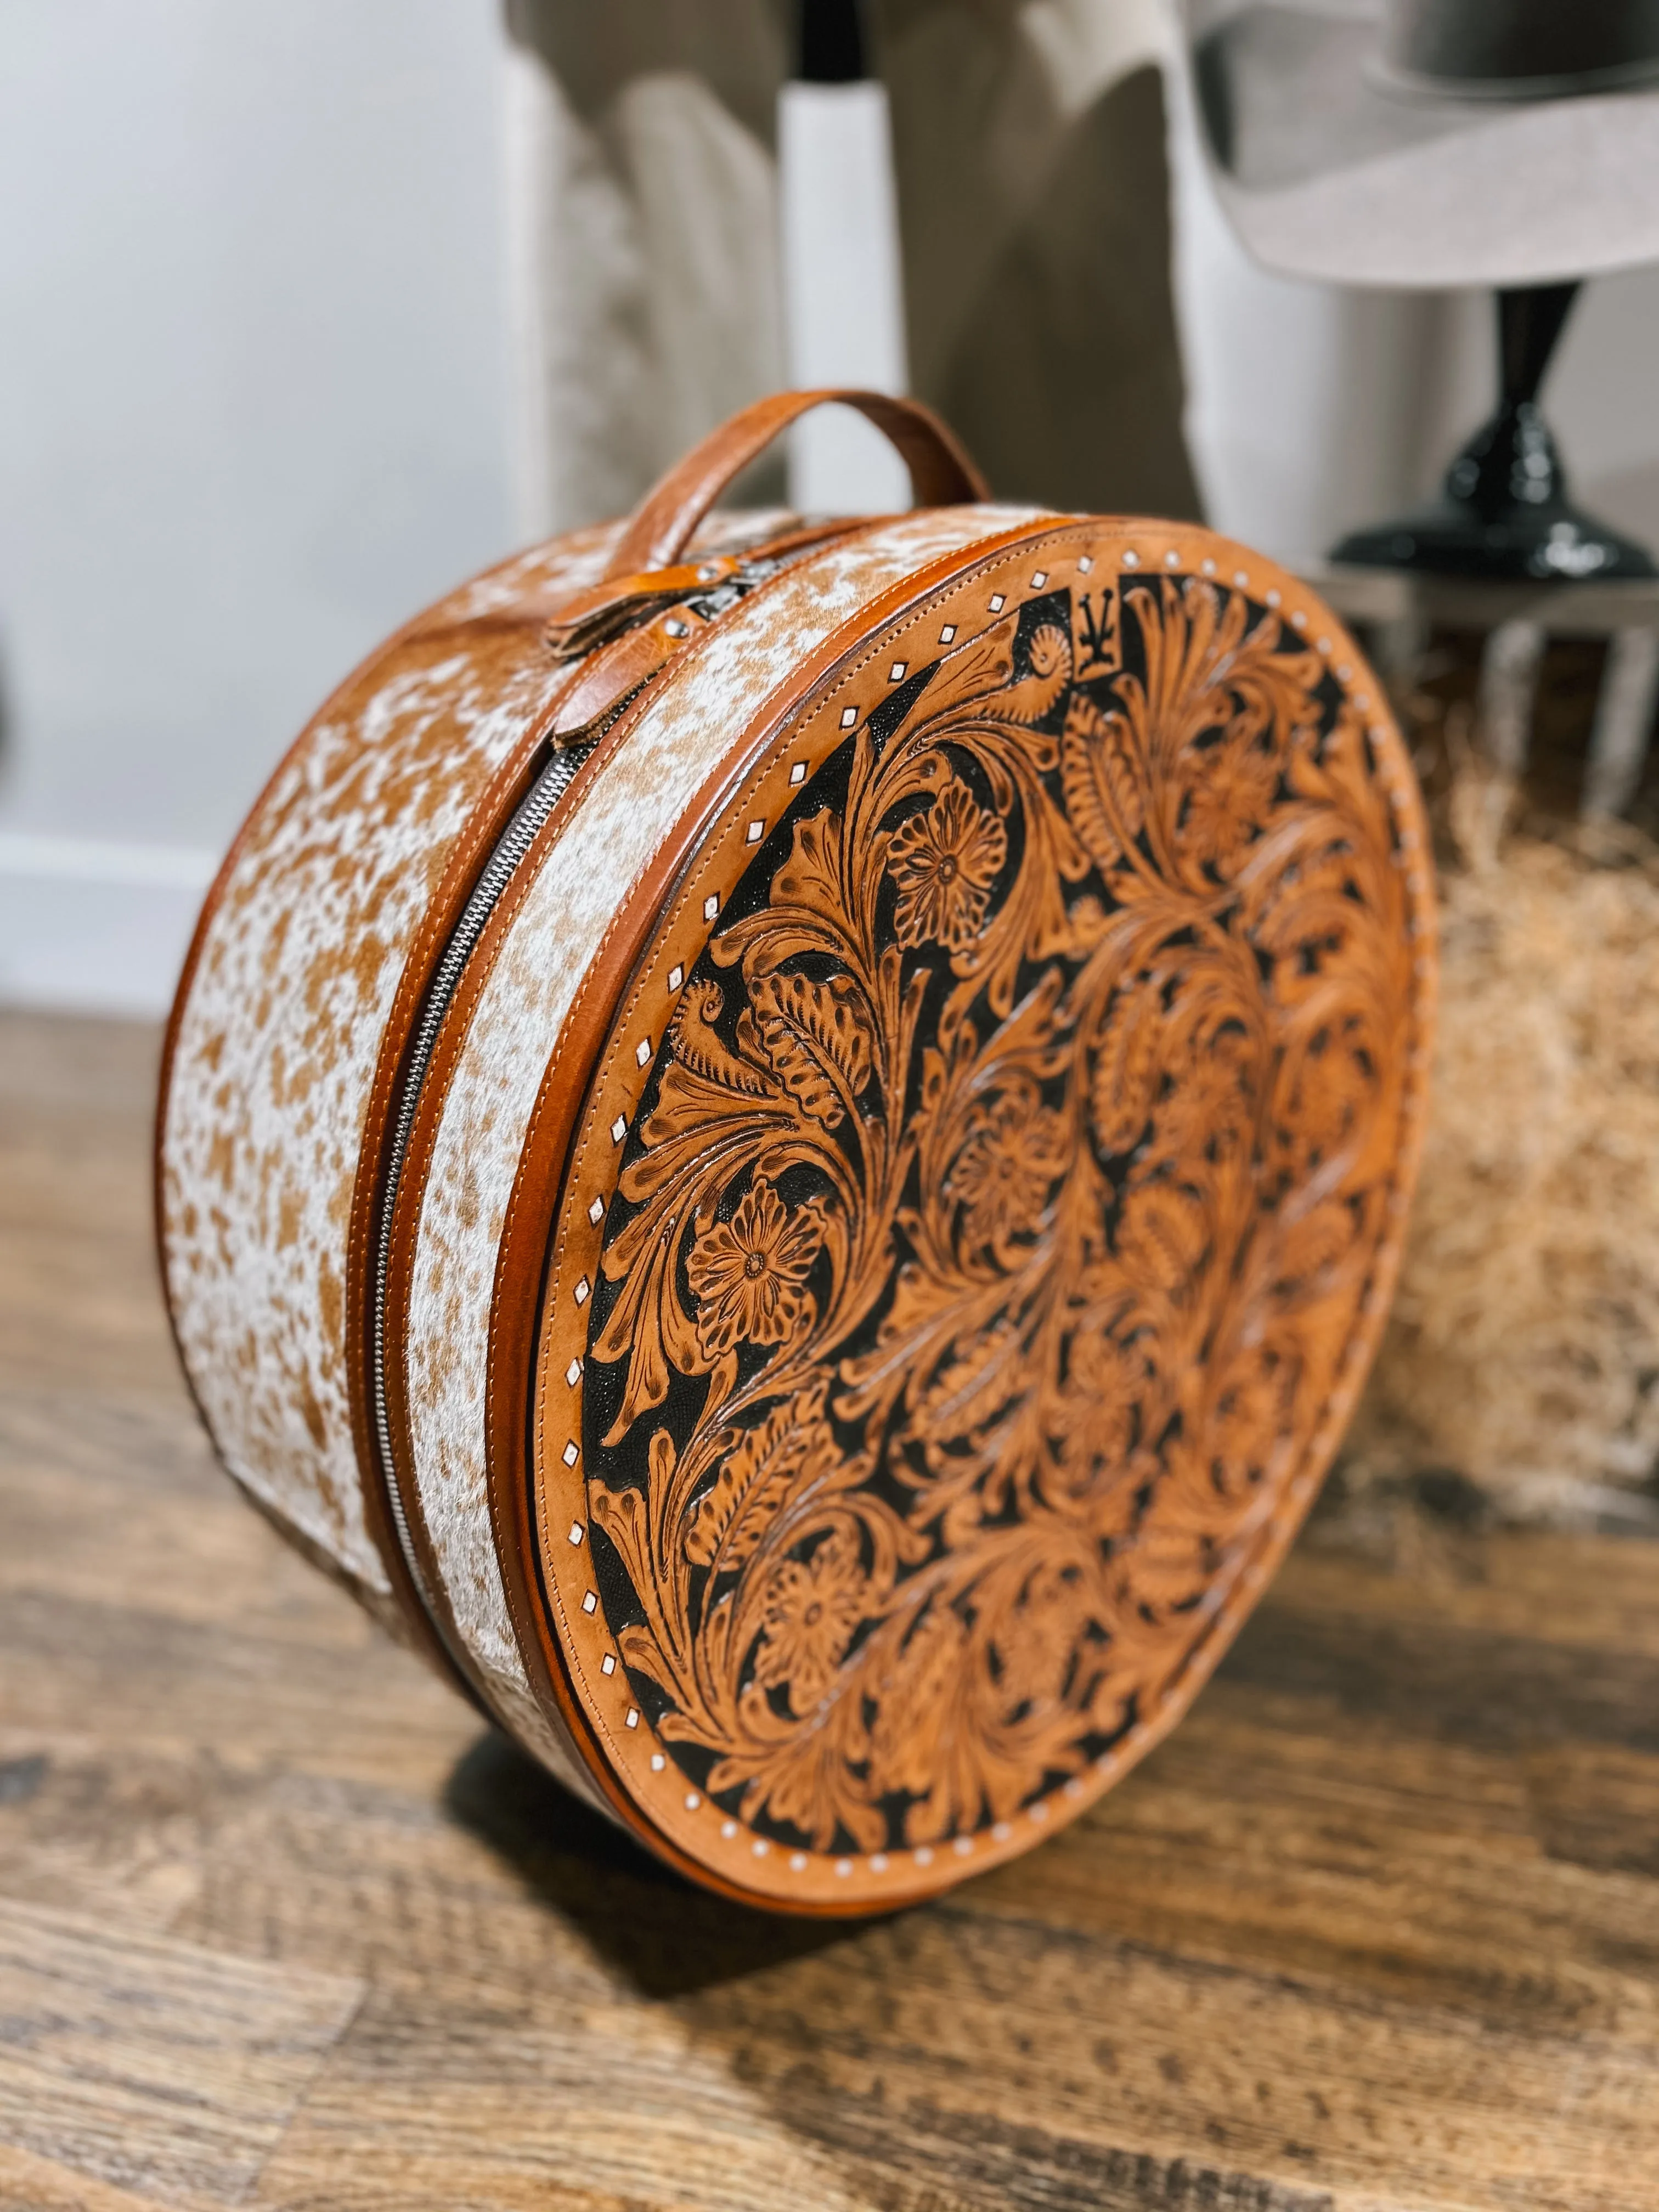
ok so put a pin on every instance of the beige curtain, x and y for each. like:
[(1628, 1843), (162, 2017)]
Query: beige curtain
[(1033, 194)]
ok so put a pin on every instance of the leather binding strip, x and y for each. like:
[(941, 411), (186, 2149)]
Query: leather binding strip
[(613, 670), (516, 1300)]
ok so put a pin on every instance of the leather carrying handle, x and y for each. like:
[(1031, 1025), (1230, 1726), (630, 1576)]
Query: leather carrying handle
[(660, 526)]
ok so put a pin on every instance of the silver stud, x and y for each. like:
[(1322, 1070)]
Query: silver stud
[(608, 1664), (760, 1847), (1085, 562), (924, 1855), (843, 1867), (963, 1845), (642, 1052), (575, 1533), (947, 634), (1274, 596), (658, 1762), (571, 1453), (1131, 558), (878, 1861), (572, 1374), (896, 670), (618, 1129), (1172, 560), (998, 603), (1039, 579), (692, 1801), (711, 906), (675, 627), (797, 1861), (797, 773), (1207, 565), (591, 1602), (582, 1290), (633, 1717), (754, 833), (676, 977), (596, 1211)]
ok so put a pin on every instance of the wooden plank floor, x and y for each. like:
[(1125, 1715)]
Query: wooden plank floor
[(280, 1927)]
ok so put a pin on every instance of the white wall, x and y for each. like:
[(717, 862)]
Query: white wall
[(253, 412), (252, 380), (1313, 409)]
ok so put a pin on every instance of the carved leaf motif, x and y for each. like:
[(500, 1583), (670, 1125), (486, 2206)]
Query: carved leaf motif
[(1103, 797), (729, 1521), (1162, 1238), (812, 1033), (921, 1680), (1126, 1071), (811, 877), (699, 1047)]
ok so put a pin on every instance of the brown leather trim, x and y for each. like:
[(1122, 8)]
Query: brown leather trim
[(516, 1304), (660, 526)]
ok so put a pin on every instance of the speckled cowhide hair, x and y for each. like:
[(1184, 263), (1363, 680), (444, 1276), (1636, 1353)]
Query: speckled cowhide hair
[(786, 1142)]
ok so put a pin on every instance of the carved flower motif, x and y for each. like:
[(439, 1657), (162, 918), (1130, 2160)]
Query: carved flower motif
[(1004, 1173), (747, 1273), (1230, 791), (945, 862), (810, 1610), (1037, 1641)]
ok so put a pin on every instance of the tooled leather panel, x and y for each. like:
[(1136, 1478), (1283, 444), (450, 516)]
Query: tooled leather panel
[(281, 1016), (981, 1212), (599, 845)]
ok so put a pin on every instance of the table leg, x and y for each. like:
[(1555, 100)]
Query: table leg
[(1509, 686), (1397, 647), (1623, 720)]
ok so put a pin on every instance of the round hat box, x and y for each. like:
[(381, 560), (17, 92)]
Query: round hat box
[(785, 1143)]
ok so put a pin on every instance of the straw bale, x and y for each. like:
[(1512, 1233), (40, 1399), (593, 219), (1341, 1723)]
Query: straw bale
[(1523, 1350)]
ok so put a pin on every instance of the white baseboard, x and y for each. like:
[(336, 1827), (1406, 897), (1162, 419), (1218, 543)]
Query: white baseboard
[(95, 925)]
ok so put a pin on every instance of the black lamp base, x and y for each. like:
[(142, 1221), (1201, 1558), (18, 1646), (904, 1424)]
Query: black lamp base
[(1558, 543), (1504, 511)]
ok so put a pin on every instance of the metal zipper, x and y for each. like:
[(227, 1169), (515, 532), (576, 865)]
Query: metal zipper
[(533, 811)]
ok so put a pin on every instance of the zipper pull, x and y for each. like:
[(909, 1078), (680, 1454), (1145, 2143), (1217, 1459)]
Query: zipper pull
[(590, 618), (608, 677)]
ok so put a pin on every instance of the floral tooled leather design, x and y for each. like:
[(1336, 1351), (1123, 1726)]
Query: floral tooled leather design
[(998, 1216)]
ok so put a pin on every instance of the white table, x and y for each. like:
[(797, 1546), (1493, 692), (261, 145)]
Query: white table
[(1400, 607)]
